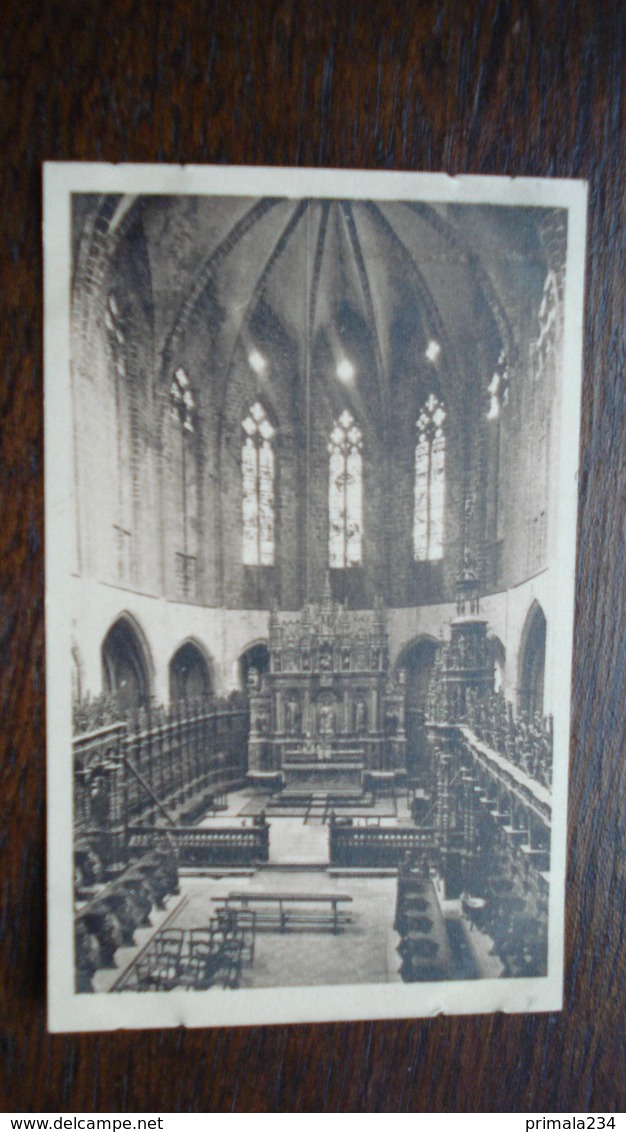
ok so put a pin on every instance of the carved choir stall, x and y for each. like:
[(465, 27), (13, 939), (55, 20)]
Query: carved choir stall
[(327, 717)]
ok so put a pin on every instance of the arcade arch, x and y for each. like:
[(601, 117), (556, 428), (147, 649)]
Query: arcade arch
[(498, 653), (532, 662), (255, 656), (190, 673), (126, 665)]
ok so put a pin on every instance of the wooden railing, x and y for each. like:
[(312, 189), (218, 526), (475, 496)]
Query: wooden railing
[(220, 845), (377, 846)]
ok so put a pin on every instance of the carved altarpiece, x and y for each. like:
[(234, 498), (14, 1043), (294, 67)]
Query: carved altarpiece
[(327, 716)]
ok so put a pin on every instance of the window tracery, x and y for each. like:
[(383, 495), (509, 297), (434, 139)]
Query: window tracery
[(124, 463), (498, 387), (498, 393), (544, 357), (546, 343), (258, 468), (345, 493), (184, 470), (430, 464)]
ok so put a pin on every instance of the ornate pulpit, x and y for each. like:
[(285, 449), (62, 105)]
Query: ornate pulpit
[(326, 718)]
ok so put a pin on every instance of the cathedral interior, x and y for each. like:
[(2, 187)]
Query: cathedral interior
[(314, 449)]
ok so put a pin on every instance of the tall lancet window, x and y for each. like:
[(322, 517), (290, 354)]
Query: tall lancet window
[(185, 486), (430, 482), (544, 360), (345, 493), (258, 472), (498, 391), (498, 388), (124, 456)]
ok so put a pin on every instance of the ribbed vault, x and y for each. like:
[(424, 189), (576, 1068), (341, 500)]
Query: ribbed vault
[(313, 307), (309, 260)]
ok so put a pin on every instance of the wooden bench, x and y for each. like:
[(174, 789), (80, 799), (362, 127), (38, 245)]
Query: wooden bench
[(295, 911)]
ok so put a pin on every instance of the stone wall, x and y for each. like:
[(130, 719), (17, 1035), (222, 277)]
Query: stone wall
[(178, 298)]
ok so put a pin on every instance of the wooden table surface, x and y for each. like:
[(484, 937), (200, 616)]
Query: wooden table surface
[(516, 87)]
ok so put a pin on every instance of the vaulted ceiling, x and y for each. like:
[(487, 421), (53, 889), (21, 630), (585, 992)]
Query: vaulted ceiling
[(356, 275)]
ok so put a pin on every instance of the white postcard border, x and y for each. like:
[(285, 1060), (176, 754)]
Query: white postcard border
[(69, 1011)]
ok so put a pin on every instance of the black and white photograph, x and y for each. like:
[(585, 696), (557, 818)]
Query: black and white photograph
[(311, 473)]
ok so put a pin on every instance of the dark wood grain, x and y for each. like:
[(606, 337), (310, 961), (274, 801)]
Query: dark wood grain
[(528, 87)]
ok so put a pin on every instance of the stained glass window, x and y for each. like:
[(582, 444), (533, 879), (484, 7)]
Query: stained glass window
[(123, 454), (545, 353), (182, 401), (183, 524), (258, 467), (345, 493), (498, 388), (430, 475), (545, 346)]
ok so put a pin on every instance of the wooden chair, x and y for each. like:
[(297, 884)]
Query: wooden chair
[(160, 966), (231, 962), (229, 939), (204, 959), (239, 923)]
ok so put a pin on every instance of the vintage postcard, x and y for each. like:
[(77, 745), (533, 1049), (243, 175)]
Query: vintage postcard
[(311, 485)]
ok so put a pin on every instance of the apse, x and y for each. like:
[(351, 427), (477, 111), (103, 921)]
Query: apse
[(313, 468), (311, 309)]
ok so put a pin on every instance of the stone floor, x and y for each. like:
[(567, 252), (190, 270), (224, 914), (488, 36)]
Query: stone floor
[(294, 840), (364, 952)]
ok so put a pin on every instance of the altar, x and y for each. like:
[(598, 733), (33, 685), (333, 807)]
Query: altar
[(335, 769), (328, 711)]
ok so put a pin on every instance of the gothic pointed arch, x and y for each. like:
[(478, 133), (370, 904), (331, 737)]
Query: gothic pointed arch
[(417, 662), (417, 659), (498, 654), (190, 672), (254, 662), (127, 665), (532, 661)]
